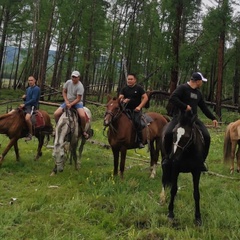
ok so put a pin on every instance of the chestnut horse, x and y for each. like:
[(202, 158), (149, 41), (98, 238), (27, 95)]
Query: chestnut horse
[(232, 145), (186, 157), (122, 135), (13, 125)]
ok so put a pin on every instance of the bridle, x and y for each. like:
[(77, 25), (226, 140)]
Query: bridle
[(188, 143), (114, 116)]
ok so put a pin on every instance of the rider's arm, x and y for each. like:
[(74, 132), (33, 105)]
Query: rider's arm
[(143, 102), (64, 94)]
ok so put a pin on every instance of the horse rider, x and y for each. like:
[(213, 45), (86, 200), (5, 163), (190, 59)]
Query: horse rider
[(187, 97), (135, 98), (72, 93), (31, 101)]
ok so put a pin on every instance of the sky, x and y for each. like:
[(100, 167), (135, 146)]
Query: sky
[(213, 3)]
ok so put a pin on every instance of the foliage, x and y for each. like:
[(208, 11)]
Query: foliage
[(162, 41)]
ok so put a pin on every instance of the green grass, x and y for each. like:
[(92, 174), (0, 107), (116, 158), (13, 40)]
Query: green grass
[(92, 204)]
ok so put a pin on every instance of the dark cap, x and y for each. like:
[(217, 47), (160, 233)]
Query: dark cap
[(198, 76)]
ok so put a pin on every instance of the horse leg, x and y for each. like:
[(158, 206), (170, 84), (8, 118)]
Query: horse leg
[(154, 153), (80, 150), (54, 171), (173, 193), (238, 158), (74, 155), (115, 161), (16, 149), (233, 149), (10, 144), (163, 196), (122, 163), (40, 138), (196, 194)]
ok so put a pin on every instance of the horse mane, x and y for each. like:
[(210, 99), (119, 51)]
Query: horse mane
[(187, 118)]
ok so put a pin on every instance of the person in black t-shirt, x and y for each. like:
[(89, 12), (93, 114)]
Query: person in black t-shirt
[(187, 97), (135, 98)]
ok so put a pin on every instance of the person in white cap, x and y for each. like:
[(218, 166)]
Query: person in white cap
[(73, 91), (187, 97)]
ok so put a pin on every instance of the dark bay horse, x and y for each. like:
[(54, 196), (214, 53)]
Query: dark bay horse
[(187, 156), (13, 125), (68, 132), (232, 145), (121, 134)]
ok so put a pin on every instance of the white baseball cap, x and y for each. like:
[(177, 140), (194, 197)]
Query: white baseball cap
[(75, 74)]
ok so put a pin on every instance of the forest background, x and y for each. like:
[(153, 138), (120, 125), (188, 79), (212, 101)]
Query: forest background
[(162, 41)]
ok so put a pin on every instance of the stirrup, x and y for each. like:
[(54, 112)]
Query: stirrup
[(85, 135), (28, 138)]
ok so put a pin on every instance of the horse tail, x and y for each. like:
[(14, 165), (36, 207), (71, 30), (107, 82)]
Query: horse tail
[(227, 145)]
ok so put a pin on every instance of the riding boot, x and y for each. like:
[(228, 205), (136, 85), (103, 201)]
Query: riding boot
[(29, 135), (140, 139), (203, 165)]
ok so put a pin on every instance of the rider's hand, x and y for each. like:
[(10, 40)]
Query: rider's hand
[(68, 105), (21, 106), (189, 108), (137, 109), (125, 100)]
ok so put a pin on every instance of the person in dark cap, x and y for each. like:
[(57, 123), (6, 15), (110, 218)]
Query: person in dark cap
[(187, 97)]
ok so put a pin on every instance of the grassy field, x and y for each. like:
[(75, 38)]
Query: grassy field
[(90, 204)]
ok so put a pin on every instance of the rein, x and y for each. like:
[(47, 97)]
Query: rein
[(114, 116)]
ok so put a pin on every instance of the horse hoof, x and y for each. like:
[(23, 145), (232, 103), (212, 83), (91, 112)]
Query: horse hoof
[(170, 216), (52, 174), (238, 170), (152, 176), (198, 222)]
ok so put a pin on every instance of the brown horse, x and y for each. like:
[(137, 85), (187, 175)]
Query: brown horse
[(14, 126), (231, 144), (122, 135)]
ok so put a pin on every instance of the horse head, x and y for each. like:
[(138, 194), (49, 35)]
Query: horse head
[(113, 110), (59, 156), (183, 135)]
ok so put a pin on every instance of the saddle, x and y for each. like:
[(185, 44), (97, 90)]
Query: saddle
[(37, 119), (145, 119)]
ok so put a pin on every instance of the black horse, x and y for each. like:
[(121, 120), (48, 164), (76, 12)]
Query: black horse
[(187, 156)]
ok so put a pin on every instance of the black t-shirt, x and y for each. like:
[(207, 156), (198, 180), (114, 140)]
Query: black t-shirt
[(134, 94), (185, 95)]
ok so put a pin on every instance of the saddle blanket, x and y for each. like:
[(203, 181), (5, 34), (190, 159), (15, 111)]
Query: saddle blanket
[(38, 119), (145, 120)]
